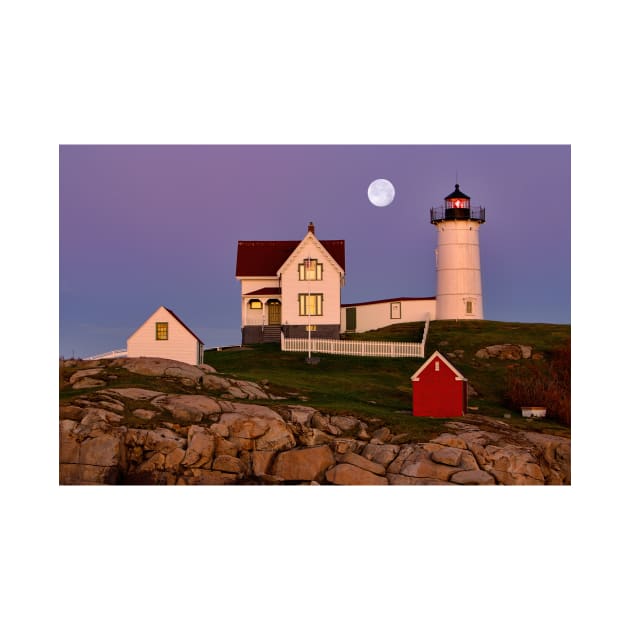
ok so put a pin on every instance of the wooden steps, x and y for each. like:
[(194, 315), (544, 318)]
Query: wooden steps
[(271, 334)]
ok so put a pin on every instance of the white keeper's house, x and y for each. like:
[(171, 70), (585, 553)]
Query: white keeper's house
[(294, 286), (290, 286)]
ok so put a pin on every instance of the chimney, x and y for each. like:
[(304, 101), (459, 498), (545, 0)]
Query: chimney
[(311, 228)]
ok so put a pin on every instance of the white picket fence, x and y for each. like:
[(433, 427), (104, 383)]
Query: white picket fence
[(113, 354), (351, 347)]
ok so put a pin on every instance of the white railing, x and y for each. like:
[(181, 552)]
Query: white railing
[(352, 347), (427, 318), (355, 348), (112, 354)]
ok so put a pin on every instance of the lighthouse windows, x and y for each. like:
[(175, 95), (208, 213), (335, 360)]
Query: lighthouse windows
[(469, 307), (457, 203)]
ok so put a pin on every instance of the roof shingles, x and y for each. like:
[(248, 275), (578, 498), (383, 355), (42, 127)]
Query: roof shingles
[(264, 258)]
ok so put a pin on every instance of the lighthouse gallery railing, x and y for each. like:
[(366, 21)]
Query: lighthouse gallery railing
[(474, 213)]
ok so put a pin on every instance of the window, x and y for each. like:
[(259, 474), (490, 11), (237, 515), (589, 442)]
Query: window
[(311, 303), (458, 203), (469, 307), (437, 366), (161, 331), (310, 269), (255, 304)]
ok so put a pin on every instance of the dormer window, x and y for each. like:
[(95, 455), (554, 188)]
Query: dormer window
[(310, 269)]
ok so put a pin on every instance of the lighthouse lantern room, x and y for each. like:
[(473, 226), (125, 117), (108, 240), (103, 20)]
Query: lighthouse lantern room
[(458, 294)]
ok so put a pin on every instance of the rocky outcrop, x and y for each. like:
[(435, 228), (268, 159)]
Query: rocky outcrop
[(349, 475), (505, 351), (303, 464), (135, 435), (202, 376)]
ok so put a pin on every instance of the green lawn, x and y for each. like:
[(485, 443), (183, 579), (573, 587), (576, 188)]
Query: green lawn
[(381, 387)]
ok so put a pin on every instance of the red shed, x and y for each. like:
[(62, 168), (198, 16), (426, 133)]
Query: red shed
[(439, 390)]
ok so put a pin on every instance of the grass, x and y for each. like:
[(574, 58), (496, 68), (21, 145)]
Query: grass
[(366, 387), (371, 387)]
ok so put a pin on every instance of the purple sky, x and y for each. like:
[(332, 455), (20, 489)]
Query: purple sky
[(142, 226)]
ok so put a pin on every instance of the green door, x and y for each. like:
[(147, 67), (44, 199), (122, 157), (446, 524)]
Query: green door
[(351, 319)]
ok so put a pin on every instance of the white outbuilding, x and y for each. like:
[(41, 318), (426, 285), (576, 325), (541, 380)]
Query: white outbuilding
[(363, 316), (166, 336)]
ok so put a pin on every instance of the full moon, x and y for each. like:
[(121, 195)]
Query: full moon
[(381, 192)]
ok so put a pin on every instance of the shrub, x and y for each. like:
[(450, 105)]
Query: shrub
[(545, 385)]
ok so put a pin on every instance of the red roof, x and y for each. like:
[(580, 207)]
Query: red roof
[(266, 291), (400, 299), (264, 258), (184, 325), (438, 356)]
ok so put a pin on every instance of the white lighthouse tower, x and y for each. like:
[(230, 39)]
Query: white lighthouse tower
[(458, 294)]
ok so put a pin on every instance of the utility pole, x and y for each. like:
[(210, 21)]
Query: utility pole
[(309, 305)]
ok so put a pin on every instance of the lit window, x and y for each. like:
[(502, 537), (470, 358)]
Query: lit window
[(437, 366), (469, 307), (161, 331), (310, 269), (255, 304), (311, 303), (458, 203)]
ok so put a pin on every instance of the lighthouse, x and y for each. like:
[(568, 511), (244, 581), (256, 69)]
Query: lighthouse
[(458, 293)]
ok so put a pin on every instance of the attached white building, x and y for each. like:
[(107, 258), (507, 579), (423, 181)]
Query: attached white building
[(363, 316), (290, 286), (164, 335)]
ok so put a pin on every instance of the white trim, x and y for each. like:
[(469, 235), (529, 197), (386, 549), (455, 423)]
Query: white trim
[(458, 375), (310, 237), (167, 314)]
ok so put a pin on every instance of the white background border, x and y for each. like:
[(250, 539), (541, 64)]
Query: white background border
[(331, 72)]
